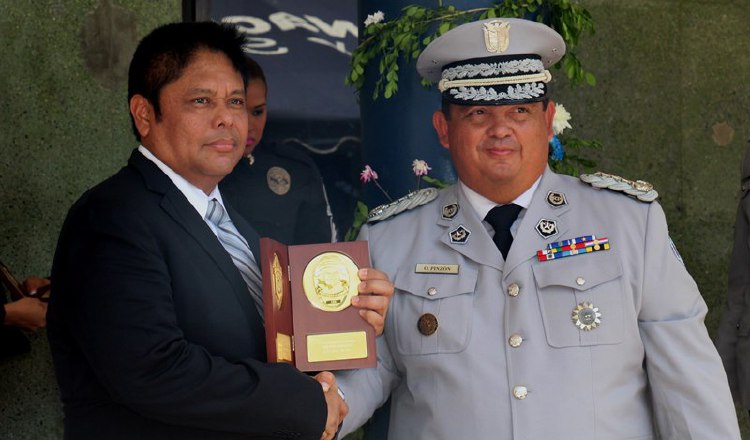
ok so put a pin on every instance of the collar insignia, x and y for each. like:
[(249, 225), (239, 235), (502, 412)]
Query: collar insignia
[(450, 211), (556, 199), (546, 228), (460, 235)]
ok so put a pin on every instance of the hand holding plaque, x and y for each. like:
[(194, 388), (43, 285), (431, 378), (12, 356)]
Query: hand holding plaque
[(307, 293)]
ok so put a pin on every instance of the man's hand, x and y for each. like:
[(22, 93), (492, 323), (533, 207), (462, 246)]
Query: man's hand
[(337, 408), (378, 290), (26, 313), (32, 284)]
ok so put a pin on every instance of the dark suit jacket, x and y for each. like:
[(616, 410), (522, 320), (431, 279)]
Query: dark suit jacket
[(152, 330)]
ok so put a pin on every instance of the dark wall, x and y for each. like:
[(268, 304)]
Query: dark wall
[(65, 126)]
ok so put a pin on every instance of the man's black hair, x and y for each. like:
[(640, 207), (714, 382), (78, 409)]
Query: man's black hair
[(162, 55)]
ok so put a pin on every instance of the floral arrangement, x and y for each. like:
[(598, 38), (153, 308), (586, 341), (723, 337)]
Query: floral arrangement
[(571, 163), (403, 38), (420, 168)]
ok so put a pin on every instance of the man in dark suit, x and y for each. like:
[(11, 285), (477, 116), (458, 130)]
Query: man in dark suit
[(154, 330)]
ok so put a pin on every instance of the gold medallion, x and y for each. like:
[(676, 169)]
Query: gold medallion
[(330, 281), (277, 279)]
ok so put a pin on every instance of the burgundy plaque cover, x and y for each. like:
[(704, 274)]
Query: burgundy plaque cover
[(300, 317)]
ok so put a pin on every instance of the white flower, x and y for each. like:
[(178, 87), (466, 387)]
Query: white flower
[(420, 167), (560, 123), (377, 17)]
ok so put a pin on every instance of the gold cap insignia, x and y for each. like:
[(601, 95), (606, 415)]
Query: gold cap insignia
[(496, 36)]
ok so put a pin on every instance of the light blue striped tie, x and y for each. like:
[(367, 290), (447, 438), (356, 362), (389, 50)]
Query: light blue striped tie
[(237, 247)]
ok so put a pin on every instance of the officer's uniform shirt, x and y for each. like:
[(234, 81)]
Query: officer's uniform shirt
[(482, 205), (492, 350)]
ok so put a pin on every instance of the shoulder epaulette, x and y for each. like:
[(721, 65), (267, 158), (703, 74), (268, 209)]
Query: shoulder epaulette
[(405, 203), (639, 189)]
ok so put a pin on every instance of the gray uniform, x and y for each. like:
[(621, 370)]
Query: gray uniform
[(508, 362)]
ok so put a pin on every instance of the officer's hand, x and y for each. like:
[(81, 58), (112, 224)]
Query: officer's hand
[(377, 290), (337, 408)]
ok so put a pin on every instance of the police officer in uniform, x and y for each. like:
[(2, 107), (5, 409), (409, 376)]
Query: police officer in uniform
[(277, 188), (532, 305)]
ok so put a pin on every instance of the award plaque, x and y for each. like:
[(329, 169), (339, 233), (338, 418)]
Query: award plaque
[(307, 293)]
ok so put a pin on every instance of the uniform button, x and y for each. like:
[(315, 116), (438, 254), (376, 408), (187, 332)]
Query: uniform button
[(580, 281), (427, 324), (432, 291), (514, 290), (520, 392), (515, 340)]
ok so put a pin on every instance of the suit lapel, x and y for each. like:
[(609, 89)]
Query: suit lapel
[(184, 214)]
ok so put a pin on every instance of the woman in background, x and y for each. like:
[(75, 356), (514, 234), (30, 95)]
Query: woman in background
[(277, 189)]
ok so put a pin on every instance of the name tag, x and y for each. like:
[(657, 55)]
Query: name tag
[(448, 269)]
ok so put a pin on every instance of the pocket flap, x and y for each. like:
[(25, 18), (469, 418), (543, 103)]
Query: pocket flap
[(579, 272)]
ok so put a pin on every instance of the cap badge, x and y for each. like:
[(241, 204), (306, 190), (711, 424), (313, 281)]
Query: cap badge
[(556, 199), (427, 324), (279, 181), (460, 235), (546, 228), (586, 317), (496, 36), (450, 211)]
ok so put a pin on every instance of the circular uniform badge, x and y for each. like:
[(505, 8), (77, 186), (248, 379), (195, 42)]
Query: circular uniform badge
[(330, 281), (277, 277), (586, 317), (427, 324), (279, 181)]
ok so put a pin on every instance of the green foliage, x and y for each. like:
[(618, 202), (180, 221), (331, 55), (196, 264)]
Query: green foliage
[(573, 164), (360, 218), (403, 38)]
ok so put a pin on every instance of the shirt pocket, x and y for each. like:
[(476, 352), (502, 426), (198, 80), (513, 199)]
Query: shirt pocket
[(563, 285), (449, 298)]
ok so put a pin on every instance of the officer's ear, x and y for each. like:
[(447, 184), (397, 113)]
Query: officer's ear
[(440, 122)]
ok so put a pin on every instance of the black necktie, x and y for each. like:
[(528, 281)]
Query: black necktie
[(501, 218)]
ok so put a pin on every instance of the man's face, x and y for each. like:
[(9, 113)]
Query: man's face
[(203, 126), (498, 151)]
